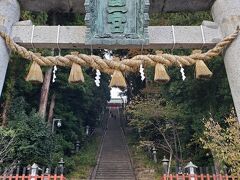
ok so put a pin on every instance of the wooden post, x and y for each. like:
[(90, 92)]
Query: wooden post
[(4, 173), (61, 173), (201, 173), (208, 177), (17, 173), (61, 177), (183, 176), (49, 174), (164, 177), (35, 177), (196, 177), (9, 15), (42, 174), (226, 176), (23, 174), (214, 176), (55, 174), (220, 177), (11, 175)]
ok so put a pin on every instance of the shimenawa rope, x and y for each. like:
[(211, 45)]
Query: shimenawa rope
[(125, 65)]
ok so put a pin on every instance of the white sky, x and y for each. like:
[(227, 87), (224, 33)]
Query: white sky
[(115, 92)]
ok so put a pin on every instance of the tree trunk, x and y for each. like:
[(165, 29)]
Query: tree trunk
[(175, 144), (6, 107), (45, 92), (9, 93), (51, 109), (46, 84)]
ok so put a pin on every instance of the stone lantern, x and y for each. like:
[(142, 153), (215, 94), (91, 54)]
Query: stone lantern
[(77, 145), (140, 132), (191, 167), (154, 154), (61, 163), (34, 171), (165, 163), (46, 173), (87, 130)]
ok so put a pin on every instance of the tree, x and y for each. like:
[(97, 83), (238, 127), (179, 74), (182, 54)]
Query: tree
[(7, 141), (158, 122), (33, 136), (187, 102), (44, 93), (223, 141)]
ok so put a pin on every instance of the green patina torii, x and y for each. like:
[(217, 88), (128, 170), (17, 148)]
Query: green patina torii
[(117, 15)]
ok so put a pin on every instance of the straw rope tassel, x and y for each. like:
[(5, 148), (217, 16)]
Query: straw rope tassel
[(35, 74), (126, 65), (76, 74), (201, 69), (161, 74), (118, 80)]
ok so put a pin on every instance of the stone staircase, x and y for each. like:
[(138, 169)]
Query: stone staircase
[(114, 162)]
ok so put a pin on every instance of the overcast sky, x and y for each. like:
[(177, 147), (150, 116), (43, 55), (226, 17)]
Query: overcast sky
[(115, 92)]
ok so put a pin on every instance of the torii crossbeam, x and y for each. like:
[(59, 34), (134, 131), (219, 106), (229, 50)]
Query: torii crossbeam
[(226, 15), (73, 37)]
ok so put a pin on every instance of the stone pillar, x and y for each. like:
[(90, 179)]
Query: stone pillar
[(9, 14), (226, 13)]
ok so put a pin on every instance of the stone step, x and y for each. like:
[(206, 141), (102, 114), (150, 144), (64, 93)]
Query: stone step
[(115, 176), (114, 161), (114, 171), (118, 178), (114, 168)]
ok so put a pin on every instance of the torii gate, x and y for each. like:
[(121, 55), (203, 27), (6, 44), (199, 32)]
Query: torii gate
[(226, 15)]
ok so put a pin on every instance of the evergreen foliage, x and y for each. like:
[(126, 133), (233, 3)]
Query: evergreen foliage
[(167, 114), (180, 106), (33, 139), (78, 105)]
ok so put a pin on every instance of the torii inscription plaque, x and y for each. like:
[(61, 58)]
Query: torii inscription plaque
[(117, 22)]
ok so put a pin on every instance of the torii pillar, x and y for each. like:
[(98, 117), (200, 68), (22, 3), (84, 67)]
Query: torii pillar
[(9, 15), (226, 13)]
